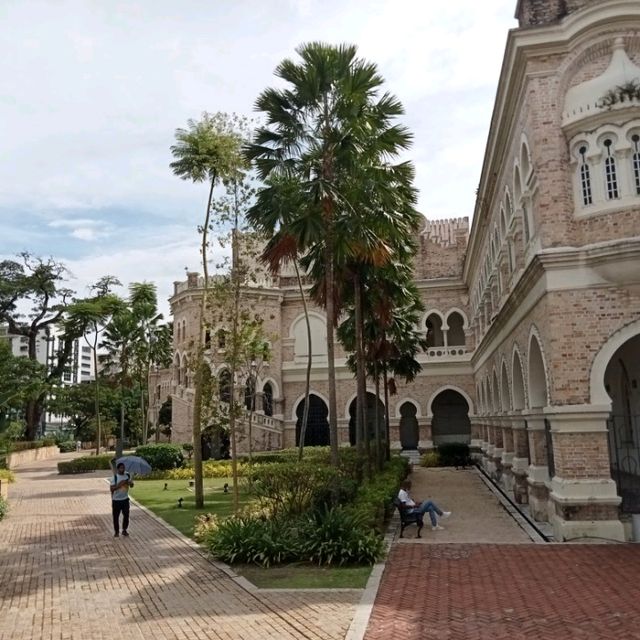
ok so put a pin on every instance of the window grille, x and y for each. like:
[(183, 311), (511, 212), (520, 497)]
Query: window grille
[(585, 179), (611, 174)]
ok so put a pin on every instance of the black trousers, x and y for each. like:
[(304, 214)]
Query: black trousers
[(120, 507)]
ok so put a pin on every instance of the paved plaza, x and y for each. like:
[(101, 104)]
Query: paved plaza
[(62, 576)]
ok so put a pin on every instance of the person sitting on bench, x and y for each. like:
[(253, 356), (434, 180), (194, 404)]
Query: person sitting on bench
[(427, 506)]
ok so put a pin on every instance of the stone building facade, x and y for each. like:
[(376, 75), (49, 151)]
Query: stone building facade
[(533, 314)]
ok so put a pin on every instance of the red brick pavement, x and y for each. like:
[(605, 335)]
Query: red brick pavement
[(563, 592)]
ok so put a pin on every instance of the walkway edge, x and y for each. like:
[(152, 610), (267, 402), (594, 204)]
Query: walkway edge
[(364, 608)]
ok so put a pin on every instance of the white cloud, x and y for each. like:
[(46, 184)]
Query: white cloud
[(99, 86)]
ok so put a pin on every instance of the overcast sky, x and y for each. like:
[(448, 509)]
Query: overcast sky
[(91, 92)]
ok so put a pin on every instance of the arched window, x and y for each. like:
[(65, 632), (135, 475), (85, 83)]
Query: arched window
[(585, 178), (455, 334), (610, 172), (435, 337), (222, 338), (224, 386), (635, 159), (250, 394), (267, 399)]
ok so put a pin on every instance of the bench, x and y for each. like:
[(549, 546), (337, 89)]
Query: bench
[(407, 518)]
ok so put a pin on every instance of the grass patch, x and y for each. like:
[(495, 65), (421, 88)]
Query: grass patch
[(305, 577), (163, 503)]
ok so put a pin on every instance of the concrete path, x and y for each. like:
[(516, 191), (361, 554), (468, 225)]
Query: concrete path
[(63, 576), (477, 514)]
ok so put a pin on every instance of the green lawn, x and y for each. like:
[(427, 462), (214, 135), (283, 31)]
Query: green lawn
[(163, 503), (305, 577)]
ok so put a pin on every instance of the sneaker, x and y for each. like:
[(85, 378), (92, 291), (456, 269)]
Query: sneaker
[(116, 535), (445, 514), (125, 533), (437, 528)]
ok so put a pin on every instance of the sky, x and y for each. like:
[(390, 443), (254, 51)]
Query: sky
[(91, 92)]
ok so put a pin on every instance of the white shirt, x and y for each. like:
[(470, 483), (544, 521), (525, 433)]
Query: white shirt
[(123, 492), (405, 498)]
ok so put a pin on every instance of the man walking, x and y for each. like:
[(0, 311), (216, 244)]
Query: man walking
[(120, 484), (425, 507)]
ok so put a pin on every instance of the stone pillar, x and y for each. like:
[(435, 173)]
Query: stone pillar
[(425, 441), (490, 463), (520, 461), (394, 434), (498, 449), (538, 471), (476, 438), (583, 498), (507, 454)]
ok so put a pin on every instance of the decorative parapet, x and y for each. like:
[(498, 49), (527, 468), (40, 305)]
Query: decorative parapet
[(448, 232)]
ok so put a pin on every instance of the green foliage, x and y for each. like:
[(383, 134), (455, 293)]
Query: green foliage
[(248, 540), (430, 459), (291, 488), (373, 501), (454, 454), (4, 507), (7, 476), (85, 464), (328, 536), (162, 456), (338, 536), (67, 446)]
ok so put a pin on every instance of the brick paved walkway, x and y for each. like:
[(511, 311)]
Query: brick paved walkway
[(63, 576), (515, 592)]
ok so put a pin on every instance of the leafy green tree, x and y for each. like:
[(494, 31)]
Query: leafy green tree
[(39, 285), (89, 318), (208, 150), (21, 379), (332, 132)]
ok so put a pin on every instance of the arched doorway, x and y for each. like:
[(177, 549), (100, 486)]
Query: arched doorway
[(409, 429), (370, 416), (267, 399), (621, 380), (450, 422), (317, 433)]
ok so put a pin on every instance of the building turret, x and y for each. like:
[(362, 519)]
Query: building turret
[(534, 13)]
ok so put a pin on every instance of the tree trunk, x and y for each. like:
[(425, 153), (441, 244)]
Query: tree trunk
[(33, 415), (307, 388), (94, 347), (200, 363), (386, 412), (378, 434), (331, 368)]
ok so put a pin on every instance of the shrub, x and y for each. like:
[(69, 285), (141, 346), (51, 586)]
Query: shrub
[(188, 447), (430, 459), (4, 507), (454, 454), (337, 536), (162, 456), (67, 446), (85, 464), (373, 502), (7, 476), (290, 488), (248, 540)]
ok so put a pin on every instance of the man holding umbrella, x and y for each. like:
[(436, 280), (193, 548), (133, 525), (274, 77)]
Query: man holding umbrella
[(120, 485)]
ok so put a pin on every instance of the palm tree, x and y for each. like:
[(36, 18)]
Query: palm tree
[(332, 133), (208, 150)]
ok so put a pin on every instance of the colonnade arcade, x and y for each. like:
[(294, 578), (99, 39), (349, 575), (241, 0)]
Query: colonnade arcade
[(568, 465)]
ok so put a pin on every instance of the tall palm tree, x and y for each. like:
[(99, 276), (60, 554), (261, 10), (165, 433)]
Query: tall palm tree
[(332, 132), (208, 150)]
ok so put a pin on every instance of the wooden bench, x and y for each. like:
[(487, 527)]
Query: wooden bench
[(407, 518)]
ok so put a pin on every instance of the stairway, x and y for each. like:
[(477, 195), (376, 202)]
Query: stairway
[(413, 455)]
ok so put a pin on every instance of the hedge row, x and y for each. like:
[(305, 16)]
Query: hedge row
[(85, 464)]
